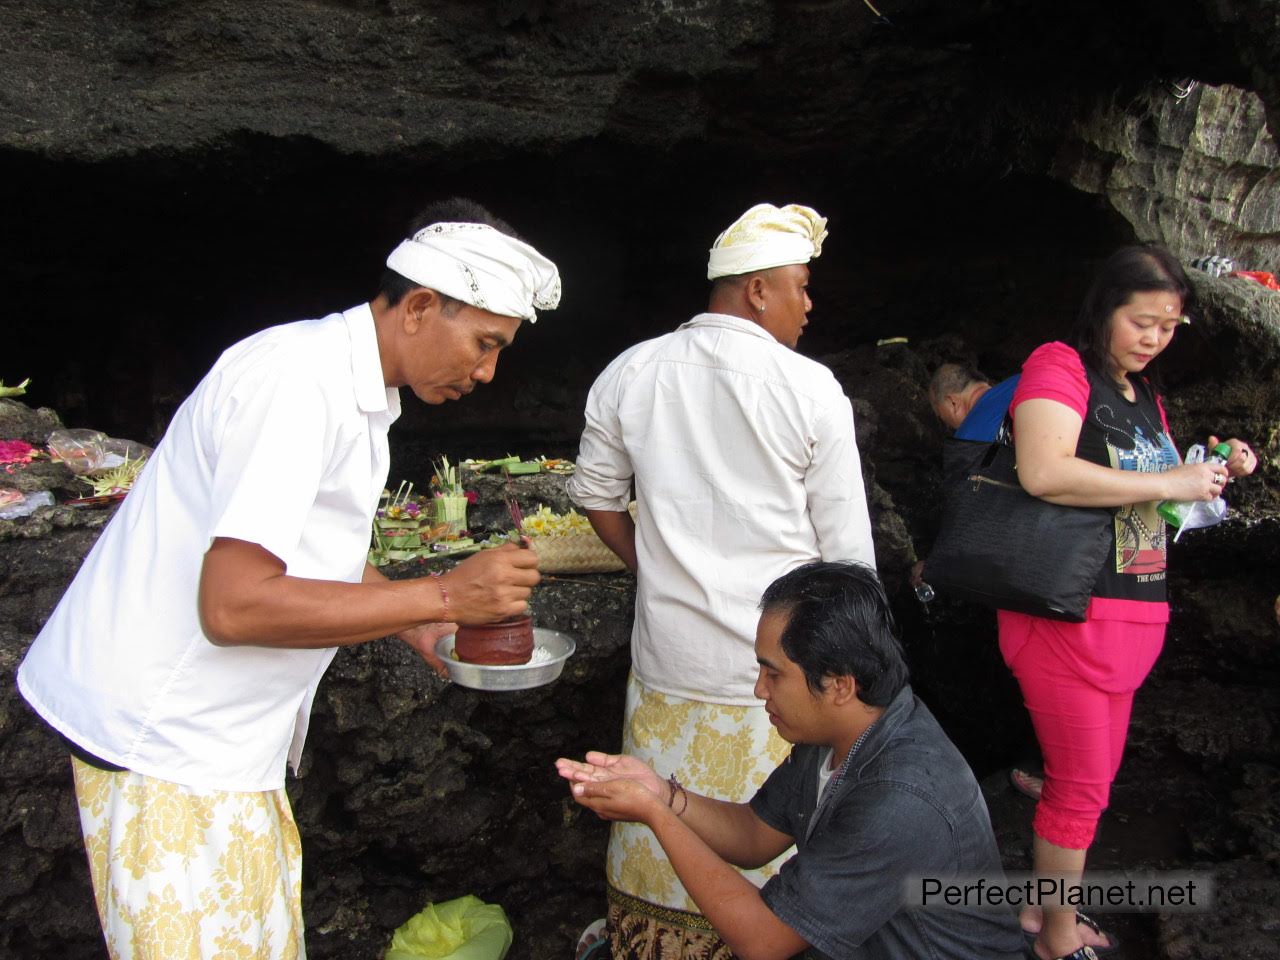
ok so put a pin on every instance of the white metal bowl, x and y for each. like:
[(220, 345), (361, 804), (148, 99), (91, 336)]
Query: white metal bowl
[(519, 676)]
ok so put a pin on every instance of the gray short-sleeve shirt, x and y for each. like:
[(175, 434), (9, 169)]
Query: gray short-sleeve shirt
[(908, 807)]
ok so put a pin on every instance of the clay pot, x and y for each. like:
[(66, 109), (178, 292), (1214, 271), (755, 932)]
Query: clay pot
[(496, 644)]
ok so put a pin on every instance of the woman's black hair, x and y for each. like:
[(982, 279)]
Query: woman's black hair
[(1143, 268), (840, 624)]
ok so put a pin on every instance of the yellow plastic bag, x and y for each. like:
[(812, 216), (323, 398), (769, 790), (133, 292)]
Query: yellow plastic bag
[(462, 929)]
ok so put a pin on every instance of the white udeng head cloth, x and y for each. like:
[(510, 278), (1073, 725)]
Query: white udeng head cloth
[(479, 265), (767, 236)]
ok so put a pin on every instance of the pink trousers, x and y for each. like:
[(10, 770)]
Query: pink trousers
[(1081, 727)]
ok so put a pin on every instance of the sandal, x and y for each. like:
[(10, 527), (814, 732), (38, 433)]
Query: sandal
[(1113, 942), (594, 942), (1027, 784), (1084, 953), (1095, 953)]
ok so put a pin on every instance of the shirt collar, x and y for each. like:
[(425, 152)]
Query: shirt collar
[(372, 393), (727, 322), (895, 714), (877, 737)]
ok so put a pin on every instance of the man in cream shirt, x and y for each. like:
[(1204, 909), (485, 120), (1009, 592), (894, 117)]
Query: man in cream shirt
[(744, 463), (181, 664)]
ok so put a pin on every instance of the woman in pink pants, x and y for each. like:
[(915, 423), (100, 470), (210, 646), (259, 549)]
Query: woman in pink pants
[(1091, 432)]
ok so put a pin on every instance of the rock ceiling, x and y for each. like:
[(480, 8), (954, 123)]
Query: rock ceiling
[(96, 79)]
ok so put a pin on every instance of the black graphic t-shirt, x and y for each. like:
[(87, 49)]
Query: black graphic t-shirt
[(1122, 434)]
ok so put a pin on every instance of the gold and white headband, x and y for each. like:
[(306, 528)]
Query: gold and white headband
[(767, 236)]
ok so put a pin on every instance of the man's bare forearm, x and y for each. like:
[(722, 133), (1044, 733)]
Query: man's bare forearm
[(732, 830), (618, 531), (730, 902), (274, 609), (247, 597)]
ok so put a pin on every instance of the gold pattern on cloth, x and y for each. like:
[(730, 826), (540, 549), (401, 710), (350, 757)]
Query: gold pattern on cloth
[(717, 750), (181, 873), (643, 931)]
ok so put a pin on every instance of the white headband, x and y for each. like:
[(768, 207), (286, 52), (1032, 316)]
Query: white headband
[(479, 265), (767, 236)]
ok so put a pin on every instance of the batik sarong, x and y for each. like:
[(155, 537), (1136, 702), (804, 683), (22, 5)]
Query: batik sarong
[(719, 751), (181, 873)]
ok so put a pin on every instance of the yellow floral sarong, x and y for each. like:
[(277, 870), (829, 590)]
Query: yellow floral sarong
[(181, 873), (719, 751)]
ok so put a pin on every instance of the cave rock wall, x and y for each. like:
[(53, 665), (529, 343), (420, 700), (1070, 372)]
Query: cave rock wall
[(1201, 174)]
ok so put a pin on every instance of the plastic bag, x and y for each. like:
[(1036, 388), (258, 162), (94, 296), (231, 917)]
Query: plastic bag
[(15, 504), (462, 929), (89, 451), (1201, 513)]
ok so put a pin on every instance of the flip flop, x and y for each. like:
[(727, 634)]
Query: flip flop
[(1113, 942), (1021, 781), (1084, 953)]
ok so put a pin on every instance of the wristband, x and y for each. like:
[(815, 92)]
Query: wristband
[(438, 580), (675, 785)]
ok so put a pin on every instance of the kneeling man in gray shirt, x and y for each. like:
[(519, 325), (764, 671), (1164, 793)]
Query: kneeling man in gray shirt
[(874, 797)]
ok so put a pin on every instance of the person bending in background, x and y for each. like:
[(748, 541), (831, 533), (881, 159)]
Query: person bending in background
[(969, 405), (1090, 431), (874, 796)]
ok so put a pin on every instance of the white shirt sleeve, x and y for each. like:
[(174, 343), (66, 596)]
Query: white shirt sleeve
[(834, 488), (270, 447), (603, 477)]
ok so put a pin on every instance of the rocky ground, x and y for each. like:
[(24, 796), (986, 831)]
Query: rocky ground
[(179, 174), (413, 790)]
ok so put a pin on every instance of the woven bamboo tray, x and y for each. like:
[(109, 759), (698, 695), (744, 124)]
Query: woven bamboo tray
[(575, 553)]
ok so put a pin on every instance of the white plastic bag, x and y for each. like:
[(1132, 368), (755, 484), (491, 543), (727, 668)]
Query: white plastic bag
[(1201, 513), (15, 504)]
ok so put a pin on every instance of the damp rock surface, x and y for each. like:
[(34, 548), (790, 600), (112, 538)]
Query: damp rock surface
[(412, 790), (179, 175), (1201, 175), (106, 80)]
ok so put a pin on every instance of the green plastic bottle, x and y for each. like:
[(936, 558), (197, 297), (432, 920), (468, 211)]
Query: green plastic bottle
[(1175, 511)]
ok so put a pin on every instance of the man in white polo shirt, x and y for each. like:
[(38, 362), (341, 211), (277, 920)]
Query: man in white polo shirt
[(181, 664), (744, 463)]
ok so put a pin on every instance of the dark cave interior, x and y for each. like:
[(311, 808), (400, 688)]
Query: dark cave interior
[(133, 257), (126, 279), (132, 276), (923, 136)]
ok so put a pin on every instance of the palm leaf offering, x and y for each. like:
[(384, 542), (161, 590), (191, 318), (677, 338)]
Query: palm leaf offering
[(16, 391), (117, 479), (514, 466)]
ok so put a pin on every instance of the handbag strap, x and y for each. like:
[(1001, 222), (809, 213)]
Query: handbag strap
[(1003, 438)]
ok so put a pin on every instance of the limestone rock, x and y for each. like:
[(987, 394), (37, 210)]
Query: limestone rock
[(1201, 175)]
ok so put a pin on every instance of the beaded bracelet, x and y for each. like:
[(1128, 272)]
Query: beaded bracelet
[(675, 785), (444, 595)]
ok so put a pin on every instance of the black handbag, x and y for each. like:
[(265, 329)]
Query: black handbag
[(1001, 547)]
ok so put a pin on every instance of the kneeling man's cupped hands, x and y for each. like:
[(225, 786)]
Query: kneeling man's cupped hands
[(615, 786)]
